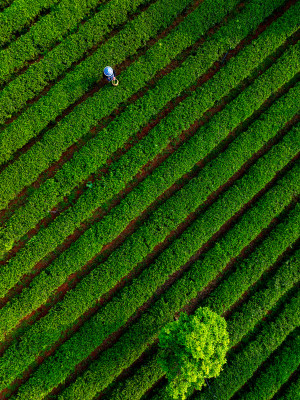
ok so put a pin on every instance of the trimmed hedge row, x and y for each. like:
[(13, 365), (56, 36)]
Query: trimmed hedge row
[(258, 305), (58, 139), (126, 168), (238, 152), (84, 76), (135, 341), (39, 204), (134, 387), (19, 15), (241, 366), (292, 391), (54, 63), (280, 366), (262, 301), (131, 121), (5, 3), (48, 330), (230, 290)]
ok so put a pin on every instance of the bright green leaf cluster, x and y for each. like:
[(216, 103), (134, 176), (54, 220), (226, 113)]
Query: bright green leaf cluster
[(193, 348), (244, 362), (90, 158), (19, 15), (252, 312), (85, 75), (48, 31), (277, 370), (88, 290)]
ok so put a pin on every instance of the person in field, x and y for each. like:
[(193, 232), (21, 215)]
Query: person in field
[(110, 75)]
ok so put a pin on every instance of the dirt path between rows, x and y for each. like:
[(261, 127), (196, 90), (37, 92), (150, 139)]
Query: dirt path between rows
[(181, 228)]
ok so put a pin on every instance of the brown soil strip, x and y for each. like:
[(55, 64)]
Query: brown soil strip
[(267, 273), (154, 389), (39, 57), (178, 273), (74, 278), (96, 87), (115, 336), (293, 378), (112, 339), (67, 155), (82, 187), (55, 212), (146, 171), (190, 308), (170, 106), (3, 7), (88, 53), (205, 293), (128, 372), (26, 28), (143, 358), (262, 367)]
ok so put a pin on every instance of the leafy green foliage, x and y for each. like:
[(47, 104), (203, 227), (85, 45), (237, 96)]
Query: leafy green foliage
[(140, 112), (244, 362), (275, 372), (76, 124), (85, 75), (40, 337), (254, 309), (292, 392), (144, 332), (240, 280), (19, 15), (27, 217), (48, 31), (181, 161), (88, 291), (193, 348)]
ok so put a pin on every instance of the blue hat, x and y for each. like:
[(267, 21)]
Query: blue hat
[(108, 71)]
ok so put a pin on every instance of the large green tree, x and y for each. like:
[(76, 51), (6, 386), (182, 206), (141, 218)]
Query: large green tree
[(193, 348)]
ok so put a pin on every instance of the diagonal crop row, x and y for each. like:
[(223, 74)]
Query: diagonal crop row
[(39, 156), (57, 61), (33, 79), (277, 371), (134, 342), (84, 336), (4, 4), (90, 157), (292, 391), (233, 375), (230, 290), (20, 14), (164, 220), (27, 217), (136, 202), (140, 79), (134, 35), (48, 31), (250, 313), (259, 303), (152, 187), (156, 184), (138, 384), (201, 21), (139, 113), (242, 365)]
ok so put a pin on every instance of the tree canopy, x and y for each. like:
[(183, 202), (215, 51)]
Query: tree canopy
[(193, 348)]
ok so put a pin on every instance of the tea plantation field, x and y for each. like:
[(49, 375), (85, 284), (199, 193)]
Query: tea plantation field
[(122, 206)]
